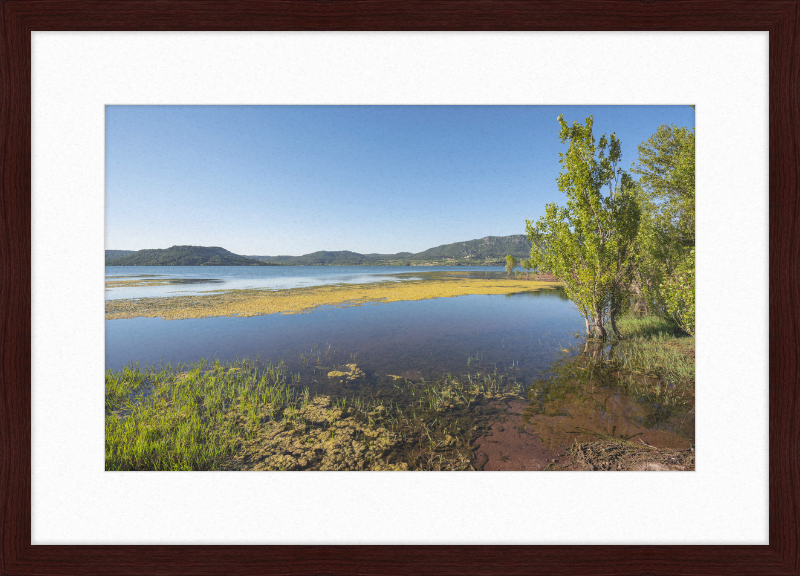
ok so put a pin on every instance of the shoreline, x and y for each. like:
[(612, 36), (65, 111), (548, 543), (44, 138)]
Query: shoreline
[(248, 415), (258, 302)]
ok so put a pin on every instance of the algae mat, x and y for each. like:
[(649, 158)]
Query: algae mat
[(301, 300)]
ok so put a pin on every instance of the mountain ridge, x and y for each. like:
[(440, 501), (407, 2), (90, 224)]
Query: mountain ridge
[(185, 256), (489, 250)]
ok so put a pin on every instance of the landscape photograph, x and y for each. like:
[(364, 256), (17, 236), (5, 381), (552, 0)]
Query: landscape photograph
[(400, 288)]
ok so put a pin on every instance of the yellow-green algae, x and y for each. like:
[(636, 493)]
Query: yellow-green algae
[(256, 302), (365, 434), (138, 283), (145, 282), (353, 373), (321, 437)]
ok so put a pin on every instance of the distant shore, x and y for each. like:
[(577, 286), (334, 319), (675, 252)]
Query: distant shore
[(257, 302)]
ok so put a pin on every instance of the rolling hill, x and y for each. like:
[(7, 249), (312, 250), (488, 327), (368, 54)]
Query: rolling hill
[(114, 254), (487, 250), (490, 250), (488, 247), (185, 256)]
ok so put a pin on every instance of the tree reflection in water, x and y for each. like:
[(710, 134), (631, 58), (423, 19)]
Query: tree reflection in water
[(588, 395)]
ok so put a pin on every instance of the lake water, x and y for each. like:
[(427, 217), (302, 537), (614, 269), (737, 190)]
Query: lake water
[(431, 336), (520, 335), (186, 280)]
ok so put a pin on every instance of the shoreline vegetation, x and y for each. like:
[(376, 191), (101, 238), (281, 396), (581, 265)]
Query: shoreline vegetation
[(256, 302), (251, 415)]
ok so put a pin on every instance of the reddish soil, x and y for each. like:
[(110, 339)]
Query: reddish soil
[(509, 447)]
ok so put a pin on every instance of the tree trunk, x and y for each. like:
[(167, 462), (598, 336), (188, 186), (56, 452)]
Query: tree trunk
[(612, 312), (640, 306), (613, 317), (598, 324), (593, 349), (589, 324)]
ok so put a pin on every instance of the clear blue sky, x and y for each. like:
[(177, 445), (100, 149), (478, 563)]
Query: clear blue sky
[(290, 180)]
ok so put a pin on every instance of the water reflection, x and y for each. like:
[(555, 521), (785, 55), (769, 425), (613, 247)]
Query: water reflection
[(432, 337), (586, 398), (554, 293)]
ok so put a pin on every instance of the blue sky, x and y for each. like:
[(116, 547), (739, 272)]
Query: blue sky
[(290, 180)]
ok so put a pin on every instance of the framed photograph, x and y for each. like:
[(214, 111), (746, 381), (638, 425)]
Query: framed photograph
[(102, 107), (406, 351)]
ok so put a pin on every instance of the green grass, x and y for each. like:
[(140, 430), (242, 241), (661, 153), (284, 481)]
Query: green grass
[(654, 362), (655, 359), (190, 418), (199, 417), (648, 326)]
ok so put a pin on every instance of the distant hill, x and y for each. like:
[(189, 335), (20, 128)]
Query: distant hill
[(488, 247), (185, 256), (113, 254), (490, 250)]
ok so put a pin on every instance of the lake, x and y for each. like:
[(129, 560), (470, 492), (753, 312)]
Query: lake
[(432, 336), (524, 338)]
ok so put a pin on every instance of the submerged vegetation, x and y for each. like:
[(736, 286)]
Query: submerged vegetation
[(255, 416), (655, 360), (329, 413), (620, 391)]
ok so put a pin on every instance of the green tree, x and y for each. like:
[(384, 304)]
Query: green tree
[(666, 169), (527, 265), (589, 243), (510, 263), (666, 193), (678, 293)]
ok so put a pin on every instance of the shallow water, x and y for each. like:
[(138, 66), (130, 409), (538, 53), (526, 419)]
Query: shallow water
[(520, 336), (521, 332)]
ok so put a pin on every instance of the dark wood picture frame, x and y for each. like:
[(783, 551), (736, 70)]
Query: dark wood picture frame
[(18, 18)]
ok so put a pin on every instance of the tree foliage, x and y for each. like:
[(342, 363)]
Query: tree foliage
[(666, 169), (589, 243), (678, 292), (471, 252), (666, 193), (511, 262)]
